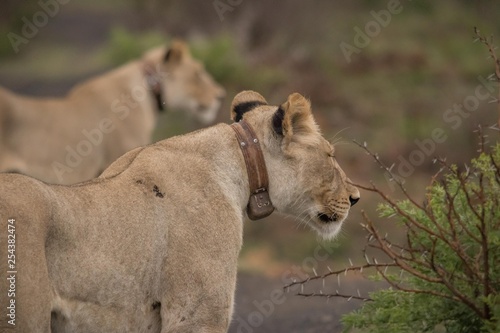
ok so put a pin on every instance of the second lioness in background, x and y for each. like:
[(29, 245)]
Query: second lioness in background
[(72, 139)]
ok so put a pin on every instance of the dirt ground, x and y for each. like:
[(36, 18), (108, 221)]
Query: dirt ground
[(256, 312)]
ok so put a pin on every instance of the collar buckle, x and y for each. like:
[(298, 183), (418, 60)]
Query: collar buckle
[(259, 205)]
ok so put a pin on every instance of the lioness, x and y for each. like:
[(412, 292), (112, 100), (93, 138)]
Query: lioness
[(152, 244), (72, 139)]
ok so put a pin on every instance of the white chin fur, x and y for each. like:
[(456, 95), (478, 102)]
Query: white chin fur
[(330, 231), (327, 231)]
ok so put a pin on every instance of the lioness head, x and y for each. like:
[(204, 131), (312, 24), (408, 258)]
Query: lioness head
[(186, 83), (305, 179)]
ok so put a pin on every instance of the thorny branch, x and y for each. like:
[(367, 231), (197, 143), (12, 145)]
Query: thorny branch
[(492, 50), (419, 257)]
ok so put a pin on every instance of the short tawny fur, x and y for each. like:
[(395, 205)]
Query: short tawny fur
[(152, 244)]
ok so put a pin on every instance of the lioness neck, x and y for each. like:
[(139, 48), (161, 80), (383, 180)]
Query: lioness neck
[(214, 151)]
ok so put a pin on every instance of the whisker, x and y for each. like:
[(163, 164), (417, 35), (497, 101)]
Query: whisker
[(334, 140)]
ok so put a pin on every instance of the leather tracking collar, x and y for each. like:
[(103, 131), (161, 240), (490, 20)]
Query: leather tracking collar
[(259, 204), (154, 84)]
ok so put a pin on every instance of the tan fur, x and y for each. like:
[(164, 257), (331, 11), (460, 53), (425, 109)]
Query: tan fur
[(72, 139), (152, 244)]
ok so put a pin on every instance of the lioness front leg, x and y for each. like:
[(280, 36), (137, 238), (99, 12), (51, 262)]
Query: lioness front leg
[(198, 306)]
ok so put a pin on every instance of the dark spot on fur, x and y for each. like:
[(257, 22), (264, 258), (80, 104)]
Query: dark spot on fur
[(167, 56), (156, 305), (182, 319), (139, 181), (243, 108), (278, 121), (157, 192)]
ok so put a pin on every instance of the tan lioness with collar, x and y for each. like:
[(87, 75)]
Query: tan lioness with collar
[(72, 139), (152, 244)]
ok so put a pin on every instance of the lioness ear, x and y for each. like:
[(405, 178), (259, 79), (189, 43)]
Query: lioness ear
[(177, 51), (294, 117), (244, 102)]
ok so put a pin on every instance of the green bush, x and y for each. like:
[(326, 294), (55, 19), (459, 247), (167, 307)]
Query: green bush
[(222, 59), (446, 277), (125, 46)]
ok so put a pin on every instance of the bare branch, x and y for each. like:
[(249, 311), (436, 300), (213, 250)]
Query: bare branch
[(336, 294), (493, 55)]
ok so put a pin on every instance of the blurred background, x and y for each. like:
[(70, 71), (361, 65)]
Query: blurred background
[(387, 80)]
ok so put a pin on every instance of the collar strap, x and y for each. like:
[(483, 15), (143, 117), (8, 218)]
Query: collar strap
[(259, 203), (153, 80)]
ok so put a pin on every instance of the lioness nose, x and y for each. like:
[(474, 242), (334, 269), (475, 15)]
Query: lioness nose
[(353, 200)]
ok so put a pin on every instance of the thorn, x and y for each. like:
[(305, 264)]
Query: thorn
[(366, 258), (323, 283), (359, 294), (329, 269), (349, 299), (338, 280), (350, 262), (314, 270), (301, 288), (364, 144), (345, 272)]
